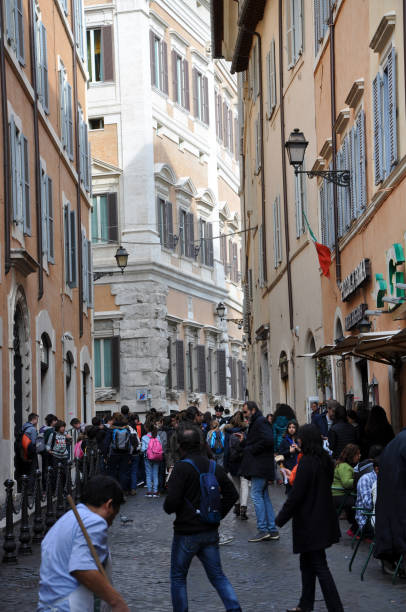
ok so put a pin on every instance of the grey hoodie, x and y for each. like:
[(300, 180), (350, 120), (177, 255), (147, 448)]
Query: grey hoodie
[(31, 431)]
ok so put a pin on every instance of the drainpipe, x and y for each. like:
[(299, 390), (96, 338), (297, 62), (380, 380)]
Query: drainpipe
[(78, 194), (6, 169), (333, 136), (284, 178), (261, 119), (38, 200)]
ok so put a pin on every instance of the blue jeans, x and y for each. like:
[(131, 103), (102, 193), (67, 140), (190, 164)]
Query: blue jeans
[(152, 472), (134, 465), (262, 504), (205, 546)]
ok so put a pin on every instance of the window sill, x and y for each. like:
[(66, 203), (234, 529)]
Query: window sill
[(160, 92), (97, 84)]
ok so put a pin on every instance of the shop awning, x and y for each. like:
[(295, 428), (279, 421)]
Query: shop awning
[(388, 347)]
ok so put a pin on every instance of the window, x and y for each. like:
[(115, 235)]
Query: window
[(87, 271), (42, 62), (277, 241), (206, 243), (271, 78), (79, 28), (100, 54), (180, 80), (69, 366), (70, 246), (200, 96), (186, 234), (159, 62), (221, 372), (190, 366), (103, 362), (20, 177), (219, 116), (254, 72), (258, 146), (300, 203), (44, 348), (96, 123), (327, 214), (85, 169), (65, 101), (228, 137), (321, 19), (165, 223), (294, 30), (223, 250), (385, 119), (233, 263), (15, 27), (105, 218), (47, 217), (232, 365), (180, 364)]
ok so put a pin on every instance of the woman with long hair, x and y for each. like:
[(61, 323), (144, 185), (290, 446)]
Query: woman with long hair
[(315, 523), (232, 461), (341, 432), (378, 430), (282, 415), (151, 447), (343, 484)]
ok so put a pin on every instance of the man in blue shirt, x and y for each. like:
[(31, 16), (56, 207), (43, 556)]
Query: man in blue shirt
[(69, 578)]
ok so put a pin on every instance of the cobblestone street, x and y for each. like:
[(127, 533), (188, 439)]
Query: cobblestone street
[(265, 575)]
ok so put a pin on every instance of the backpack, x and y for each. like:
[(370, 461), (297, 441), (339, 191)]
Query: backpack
[(25, 447), (120, 440), (217, 442), (210, 498), (78, 452), (154, 450), (40, 443), (234, 451)]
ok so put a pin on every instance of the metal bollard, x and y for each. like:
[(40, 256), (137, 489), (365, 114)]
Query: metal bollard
[(85, 471), (9, 544), (25, 535), (38, 525), (60, 501), (50, 513), (68, 484), (78, 482)]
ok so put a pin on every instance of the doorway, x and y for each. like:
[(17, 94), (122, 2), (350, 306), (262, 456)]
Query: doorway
[(18, 387)]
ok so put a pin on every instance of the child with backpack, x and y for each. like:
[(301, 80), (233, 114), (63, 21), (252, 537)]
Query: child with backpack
[(216, 441), (117, 448), (151, 447)]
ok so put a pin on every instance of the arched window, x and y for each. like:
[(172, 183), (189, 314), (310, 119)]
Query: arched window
[(44, 347), (69, 367)]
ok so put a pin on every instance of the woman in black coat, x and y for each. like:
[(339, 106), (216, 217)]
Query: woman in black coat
[(315, 523), (378, 430), (341, 432)]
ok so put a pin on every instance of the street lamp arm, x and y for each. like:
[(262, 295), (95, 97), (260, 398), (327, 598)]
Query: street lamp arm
[(97, 275), (342, 178)]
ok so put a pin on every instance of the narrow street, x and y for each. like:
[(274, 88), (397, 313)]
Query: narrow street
[(265, 575)]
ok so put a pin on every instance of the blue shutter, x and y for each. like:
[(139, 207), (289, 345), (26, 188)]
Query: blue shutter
[(44, 212), (330, 212), (62, 107), (50, 221), (73, 250), (362, 161), (357, 167), (353, 169), (392, 126), (340, 196), (298, 17), (377, 119), (90, 292), (13, 167), (316, 25), (322, 215), (69, 121), (84, 266), (9, 21), (19, 13), (347, 190), (44, 68), (67, 243), (25, 169)]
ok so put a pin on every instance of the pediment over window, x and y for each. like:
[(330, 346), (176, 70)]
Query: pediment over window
[(205, 199), (224, 211), (185, 184), (102, 168), (165, 173)]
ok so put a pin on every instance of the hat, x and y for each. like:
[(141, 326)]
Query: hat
[(218, 409)]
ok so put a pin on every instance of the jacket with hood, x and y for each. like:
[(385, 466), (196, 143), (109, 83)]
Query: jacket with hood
[(30, 431), (279, 427), (258, 458)]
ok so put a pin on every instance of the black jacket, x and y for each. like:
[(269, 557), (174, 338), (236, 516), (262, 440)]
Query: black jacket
[(258, 457), (290, 458), (231, 466), (390, 525), (340, 435), (184, 489), (310, 505)]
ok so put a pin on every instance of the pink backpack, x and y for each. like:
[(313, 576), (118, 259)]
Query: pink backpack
[(78, 453), (154, 450)]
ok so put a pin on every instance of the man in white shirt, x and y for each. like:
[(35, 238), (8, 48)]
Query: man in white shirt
[(69, 578)]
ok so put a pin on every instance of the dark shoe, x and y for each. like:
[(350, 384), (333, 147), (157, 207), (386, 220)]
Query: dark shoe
[(237, 509), (260, 536), (133, 492), (243, 513), (274, 535), (295, 610)]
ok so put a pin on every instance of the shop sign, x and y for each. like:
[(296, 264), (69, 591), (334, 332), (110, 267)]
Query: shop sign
[(354, 280), (386, 287), (355, 316)]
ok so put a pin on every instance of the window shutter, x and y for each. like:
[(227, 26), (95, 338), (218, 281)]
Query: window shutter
[(70, 121), (73, 249), (268, 73), (174, 57), (50, 221), (44, 68), (62, 97), (331, 214), (13, 167), (275, 234), (340, 197), (361, 160), (108, 53), (164, 66), (152, 58), (273, 76), (201, 368), (210, 250), (236, 139), (220, 114), (20, 31), (25, 166), (298, 17), (231, 138), (261, 257), (44, 213), (230, 368), (316, 25), (393, 142), (278, 210), (216, 113), (9, 21), (112, 217), (87, 164), (90, 289), (225, 124), (354, 173), (169, 225), (235, 262), (194, 85), (190, 235), (84, 266), (290, 30), (68, 247), (115, 350), (377, 118), (185, 84), (346, 192), (205, 97), (180, 365), (323, 218), (221, 372)]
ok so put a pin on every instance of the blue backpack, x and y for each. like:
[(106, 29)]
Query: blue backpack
[(217, 442), (210, 498)]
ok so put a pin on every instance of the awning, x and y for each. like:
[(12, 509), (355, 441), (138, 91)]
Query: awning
[(388, 347)]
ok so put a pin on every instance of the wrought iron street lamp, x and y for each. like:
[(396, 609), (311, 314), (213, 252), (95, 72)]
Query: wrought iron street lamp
[(221, 311), (121, 258), (296, 147)]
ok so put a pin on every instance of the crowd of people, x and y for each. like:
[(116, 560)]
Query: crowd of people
[(335, 466)]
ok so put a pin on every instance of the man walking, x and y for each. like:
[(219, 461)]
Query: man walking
[(258, 466), (192, 536)]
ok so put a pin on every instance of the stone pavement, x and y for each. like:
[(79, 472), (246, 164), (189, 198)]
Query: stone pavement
[(265, 575)]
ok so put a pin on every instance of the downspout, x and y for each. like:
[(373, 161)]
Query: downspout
[(78, 194), (38, 199), (6, 167), (284, 178), (333, 136), (261, 120)]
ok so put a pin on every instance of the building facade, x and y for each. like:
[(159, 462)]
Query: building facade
[(163, 131), (46, 284)]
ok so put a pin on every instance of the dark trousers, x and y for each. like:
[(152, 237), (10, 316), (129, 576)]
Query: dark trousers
[(314, 565), (348, 507), (118, 468)]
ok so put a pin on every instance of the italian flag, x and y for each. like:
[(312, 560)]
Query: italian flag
[(323, 252)]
